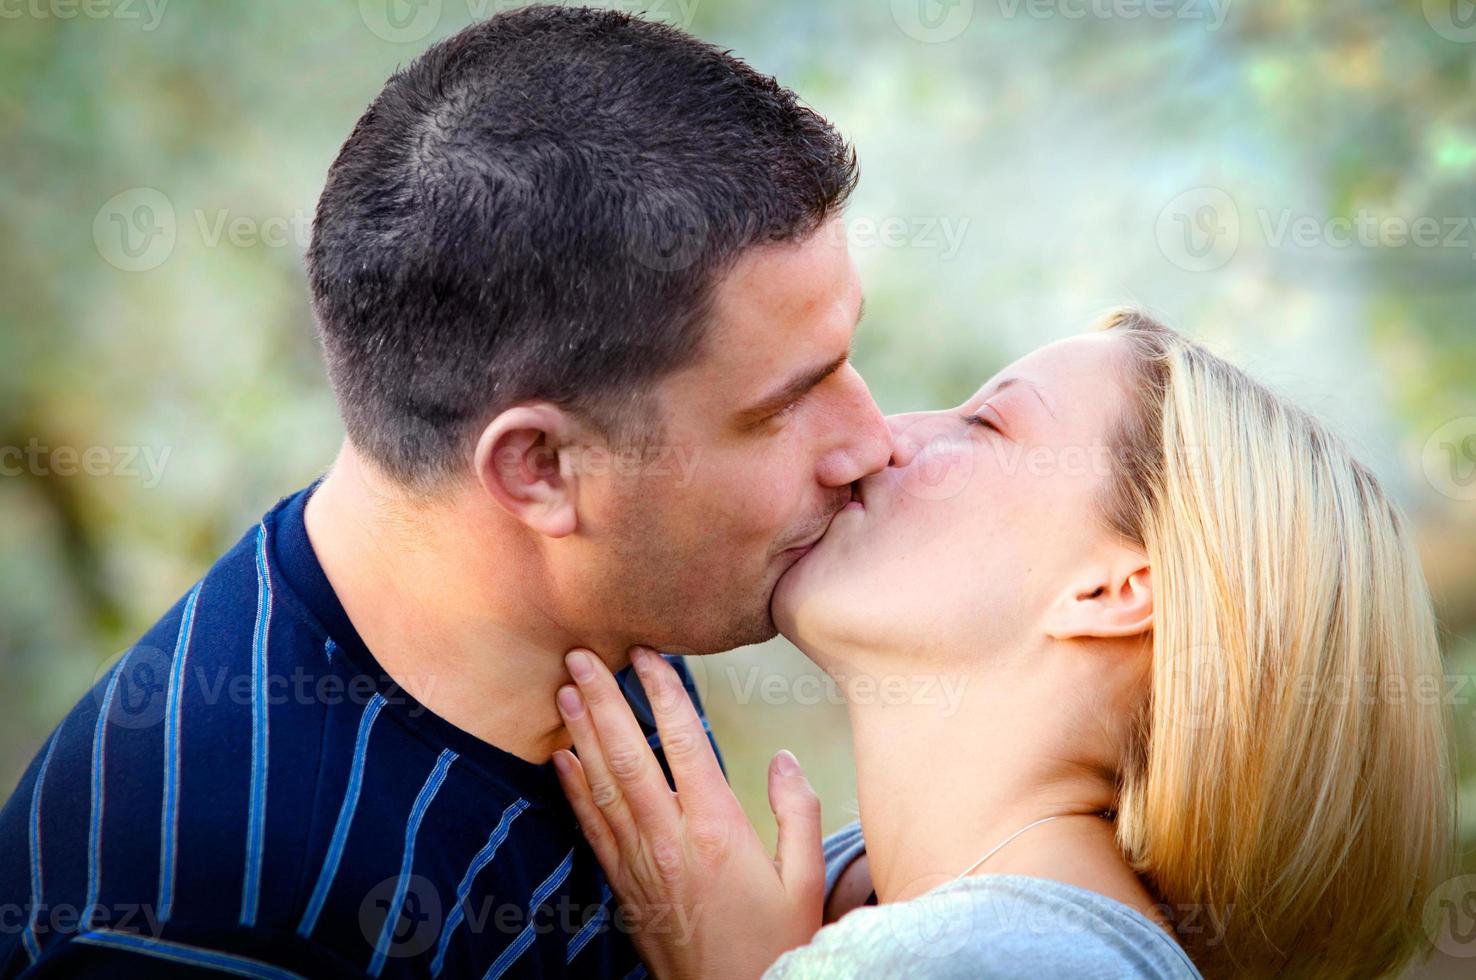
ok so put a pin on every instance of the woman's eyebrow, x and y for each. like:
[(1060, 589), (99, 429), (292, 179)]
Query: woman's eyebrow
[(1030, 386)]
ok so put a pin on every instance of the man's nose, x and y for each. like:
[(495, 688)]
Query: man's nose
[(867, 446)]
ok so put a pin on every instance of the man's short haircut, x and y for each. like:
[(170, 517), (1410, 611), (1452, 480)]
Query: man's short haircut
[(538, 207)]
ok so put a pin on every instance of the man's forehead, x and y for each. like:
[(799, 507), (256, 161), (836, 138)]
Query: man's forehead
[(795, 293), (782, 274), (781, 311)]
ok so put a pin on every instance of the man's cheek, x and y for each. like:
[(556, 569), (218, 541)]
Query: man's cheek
[(760, 511)]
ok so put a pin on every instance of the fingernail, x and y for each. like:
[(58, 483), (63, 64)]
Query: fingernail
[(579, 665), (640, 657), (786, 763), (561, 762), (570, 703)]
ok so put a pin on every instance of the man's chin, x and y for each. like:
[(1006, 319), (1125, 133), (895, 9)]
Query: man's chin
[(758, 624), (755, 627)]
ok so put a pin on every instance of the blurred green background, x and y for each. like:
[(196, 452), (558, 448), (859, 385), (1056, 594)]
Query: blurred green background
[(1289, 181)]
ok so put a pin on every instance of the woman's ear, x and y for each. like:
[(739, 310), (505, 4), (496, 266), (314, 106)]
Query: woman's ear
[(520, 461), (1110, 600)]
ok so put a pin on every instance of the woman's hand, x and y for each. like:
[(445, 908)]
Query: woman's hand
[(704, 898)]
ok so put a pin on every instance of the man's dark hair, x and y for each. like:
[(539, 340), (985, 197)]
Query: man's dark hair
[(538, 208)]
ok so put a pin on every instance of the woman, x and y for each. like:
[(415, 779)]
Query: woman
[(1191, 637)]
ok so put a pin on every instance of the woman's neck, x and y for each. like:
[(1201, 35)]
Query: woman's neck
[(941, 784)]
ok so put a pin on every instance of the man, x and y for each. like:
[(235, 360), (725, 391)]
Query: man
[(587, 311)]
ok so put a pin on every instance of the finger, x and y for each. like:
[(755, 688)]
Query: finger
[(799, 855), (701, 786), (591, 820), (604, 789), (627, 756)]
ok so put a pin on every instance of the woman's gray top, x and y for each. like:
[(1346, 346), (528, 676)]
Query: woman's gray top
[(992, 926)]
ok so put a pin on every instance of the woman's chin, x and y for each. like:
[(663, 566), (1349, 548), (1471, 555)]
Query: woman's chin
[(783, 600), (805, 596), (813, 591), (806, 613), (792, 595)]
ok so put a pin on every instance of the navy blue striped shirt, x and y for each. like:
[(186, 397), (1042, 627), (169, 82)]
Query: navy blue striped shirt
[(246, 791)]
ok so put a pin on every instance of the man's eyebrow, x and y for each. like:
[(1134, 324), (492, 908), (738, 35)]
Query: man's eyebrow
[(798, 385), (791, 390)]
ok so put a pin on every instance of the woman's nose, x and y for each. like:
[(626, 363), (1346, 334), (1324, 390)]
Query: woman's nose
[(930, 454), (907, 439)]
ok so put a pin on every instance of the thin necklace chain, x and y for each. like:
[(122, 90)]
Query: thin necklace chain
[(995, 849)]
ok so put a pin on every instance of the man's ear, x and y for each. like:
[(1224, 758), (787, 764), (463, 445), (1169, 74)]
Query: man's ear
[(520, 461), (1110, 599)]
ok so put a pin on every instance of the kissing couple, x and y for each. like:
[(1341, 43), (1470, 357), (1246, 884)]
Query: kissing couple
[(1188, 740)]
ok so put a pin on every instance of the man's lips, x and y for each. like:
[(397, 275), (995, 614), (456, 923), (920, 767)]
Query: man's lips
[(803, 547)]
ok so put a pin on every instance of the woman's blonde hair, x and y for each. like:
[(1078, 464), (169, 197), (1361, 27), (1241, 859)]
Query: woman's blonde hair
[(1289, 792)]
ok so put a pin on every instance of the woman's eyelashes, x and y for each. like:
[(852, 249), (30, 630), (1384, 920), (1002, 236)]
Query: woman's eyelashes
[(984, 417)]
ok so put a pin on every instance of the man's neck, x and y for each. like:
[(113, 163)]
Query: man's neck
[(942, 782), (481, 650)]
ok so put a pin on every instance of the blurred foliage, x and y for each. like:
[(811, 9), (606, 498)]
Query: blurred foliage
[(1028, 166)]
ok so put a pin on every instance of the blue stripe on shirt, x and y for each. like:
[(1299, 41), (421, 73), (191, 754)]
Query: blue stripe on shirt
[(169, 815), (481, 860), (216, 962), (407, 861), (95, 818), (345, 818), (28, 937), (525, 938), (585, 934), (256, 807)]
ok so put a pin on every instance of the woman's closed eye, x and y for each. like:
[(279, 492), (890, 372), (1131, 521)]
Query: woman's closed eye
[(985, 417)]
